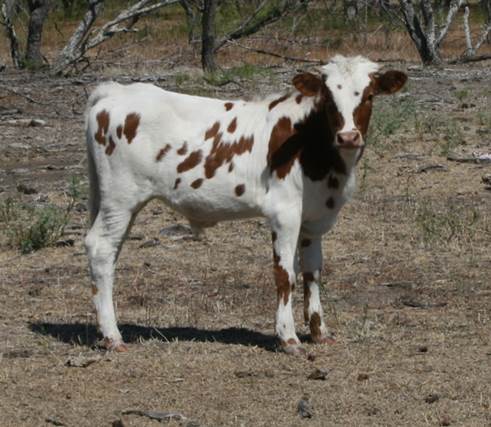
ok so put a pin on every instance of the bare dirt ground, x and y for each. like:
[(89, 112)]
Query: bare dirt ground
[(407, 286)]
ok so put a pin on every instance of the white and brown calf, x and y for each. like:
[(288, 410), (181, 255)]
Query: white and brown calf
[(290, 158)]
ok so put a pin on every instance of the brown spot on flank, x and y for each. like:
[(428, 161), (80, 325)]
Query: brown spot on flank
[(130, 125), (111, 146), (229, 106), (163, 151), (94, 290), (197, 183), (330, 203), (102, 127), (315, 326), (176, 183), (305, 243), (333, 182), (212, 132), (298, 98), (119, 131), (190, 161), (183, 150), (277, 101), (232, 126), (240, 189), (222, 152)]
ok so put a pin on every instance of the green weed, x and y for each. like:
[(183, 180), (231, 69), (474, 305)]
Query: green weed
[(29, 228)]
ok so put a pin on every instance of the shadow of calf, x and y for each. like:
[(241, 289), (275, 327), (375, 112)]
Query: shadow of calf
[(83, 334)]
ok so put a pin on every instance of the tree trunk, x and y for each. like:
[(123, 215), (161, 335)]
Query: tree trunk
[(208, 36), (8, 10), (39, 10)]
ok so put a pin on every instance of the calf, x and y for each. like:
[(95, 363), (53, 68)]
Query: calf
[(290, 158)]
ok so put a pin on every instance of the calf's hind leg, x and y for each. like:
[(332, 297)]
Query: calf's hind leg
[(103, 244)]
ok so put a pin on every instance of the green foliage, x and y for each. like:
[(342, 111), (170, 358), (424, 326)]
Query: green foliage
[(29, 228), (246, 72), (391, 117)]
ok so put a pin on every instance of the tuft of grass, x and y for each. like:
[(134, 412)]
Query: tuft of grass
[(391, 117), (29, 228), (444, 224), (452, 138)]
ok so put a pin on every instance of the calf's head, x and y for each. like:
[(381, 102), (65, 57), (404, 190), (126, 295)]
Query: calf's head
[(344, 93)]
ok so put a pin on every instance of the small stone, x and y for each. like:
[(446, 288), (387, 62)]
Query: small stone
[(432, 398), (24, 189), (150, 243), (423, 349), (318, 374), (362, 377), (304, 408), (445, 420)]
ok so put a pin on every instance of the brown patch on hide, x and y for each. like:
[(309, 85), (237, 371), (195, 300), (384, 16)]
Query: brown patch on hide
[(277, 101), (282, 281), (231, 167), (163, 151), (130, 125), (281, 161), (176, 183), (119, 131), (102, 127), (212, 132), (298, 98), (111, 146), (363, 111), (232, 126), (315, 326), (240, 189), (229, 106), (183, 150), (197, 183), (190, 161), (223, 152)]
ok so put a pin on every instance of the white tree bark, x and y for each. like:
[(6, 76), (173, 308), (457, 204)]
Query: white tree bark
[(85, 38), (471, 50), (423, 28), (7, 10)]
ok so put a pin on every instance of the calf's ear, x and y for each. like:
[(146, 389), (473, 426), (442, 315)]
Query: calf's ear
[(389, 82), (307, 84)]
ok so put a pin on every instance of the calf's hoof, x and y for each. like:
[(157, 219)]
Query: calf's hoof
[(293, 347), (323, 339), (112, 345)]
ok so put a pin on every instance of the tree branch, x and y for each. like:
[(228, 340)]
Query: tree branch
[(261, 18)]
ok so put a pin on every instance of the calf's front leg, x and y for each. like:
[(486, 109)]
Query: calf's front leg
[(311, 265), (285, 235)]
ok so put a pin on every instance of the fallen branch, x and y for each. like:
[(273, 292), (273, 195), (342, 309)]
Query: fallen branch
[(154, 415)]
